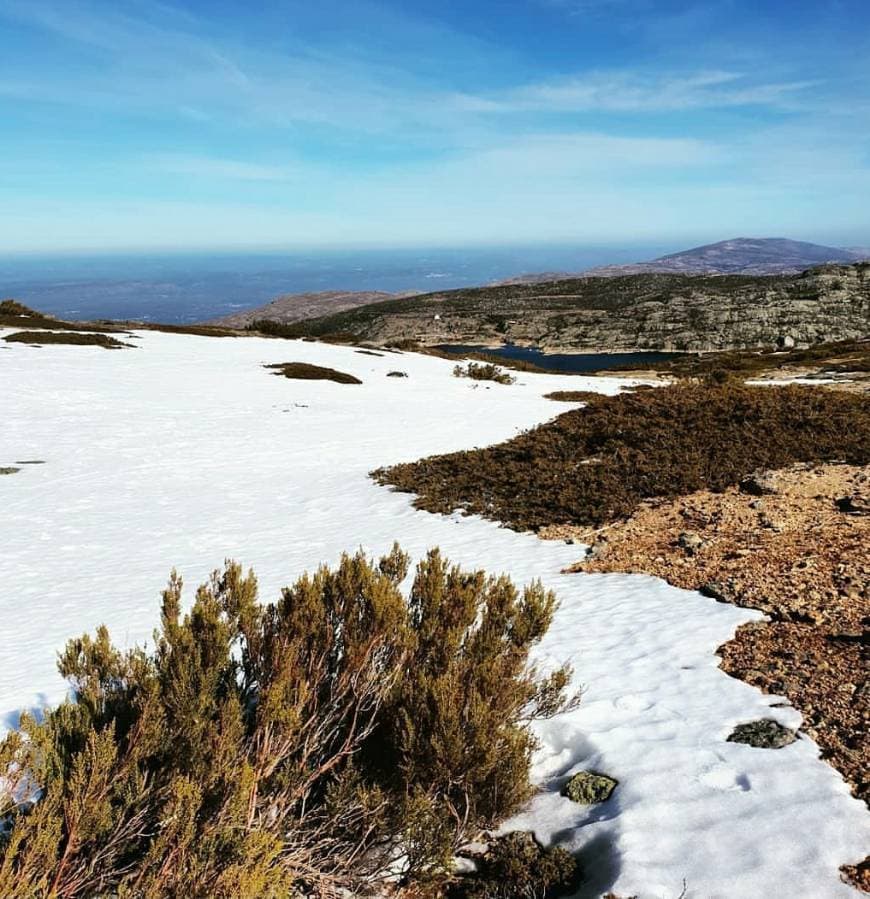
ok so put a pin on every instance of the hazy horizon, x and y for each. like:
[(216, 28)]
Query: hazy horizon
[(186, 287)]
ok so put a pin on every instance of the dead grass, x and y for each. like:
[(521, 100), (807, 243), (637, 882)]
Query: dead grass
[(69, 338), (303, 371), (597, 464)]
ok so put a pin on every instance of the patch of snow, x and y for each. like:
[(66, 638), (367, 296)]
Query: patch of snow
[(187, 452)]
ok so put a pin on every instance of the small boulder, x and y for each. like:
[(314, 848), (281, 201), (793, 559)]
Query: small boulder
[(690, 541), (397, 374), (760, 483), (587, 788), (763, 734), (716, 590), (854, 505), (596, 550), (9, 470)]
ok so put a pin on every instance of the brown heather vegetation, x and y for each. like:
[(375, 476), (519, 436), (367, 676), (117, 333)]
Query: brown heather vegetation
[(297, 748), (573, 396), (16, 315), (595, 465), (303, 371), (43, 338)]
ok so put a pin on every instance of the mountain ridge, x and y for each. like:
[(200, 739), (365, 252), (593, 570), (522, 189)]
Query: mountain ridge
[(735, 256), (645, 311)]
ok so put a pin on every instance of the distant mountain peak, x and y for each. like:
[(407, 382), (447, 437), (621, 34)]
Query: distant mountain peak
[(735, 256)]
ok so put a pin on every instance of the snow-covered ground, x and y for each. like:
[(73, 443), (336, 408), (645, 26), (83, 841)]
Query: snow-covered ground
[(184, 452)]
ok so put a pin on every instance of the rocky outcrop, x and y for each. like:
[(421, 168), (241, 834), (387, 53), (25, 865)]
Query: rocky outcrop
[(635, 312), (298, 306)]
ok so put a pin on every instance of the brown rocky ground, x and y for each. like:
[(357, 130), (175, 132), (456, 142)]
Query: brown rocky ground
[(794, 543)]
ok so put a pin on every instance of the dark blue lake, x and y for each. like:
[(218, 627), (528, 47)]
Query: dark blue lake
[(568, 362)]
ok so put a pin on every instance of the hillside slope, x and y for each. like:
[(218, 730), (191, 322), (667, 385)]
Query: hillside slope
[(644, 311), (294, 307)]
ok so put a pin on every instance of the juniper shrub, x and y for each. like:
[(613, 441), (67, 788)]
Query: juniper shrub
[(244, 756)]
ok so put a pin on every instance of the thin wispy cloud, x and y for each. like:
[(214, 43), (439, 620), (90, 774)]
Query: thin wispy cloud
[(368, 118), (643, 92)]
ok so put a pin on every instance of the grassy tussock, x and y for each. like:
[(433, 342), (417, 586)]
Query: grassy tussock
[(595, 465), (303, 371)]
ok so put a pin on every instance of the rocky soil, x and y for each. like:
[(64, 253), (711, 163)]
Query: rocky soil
[(793, 543)]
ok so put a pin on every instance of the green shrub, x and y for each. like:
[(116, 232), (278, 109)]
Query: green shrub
[(244, 755), (483, 372)]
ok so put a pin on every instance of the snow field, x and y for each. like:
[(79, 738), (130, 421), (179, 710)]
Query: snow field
[(185, 451)]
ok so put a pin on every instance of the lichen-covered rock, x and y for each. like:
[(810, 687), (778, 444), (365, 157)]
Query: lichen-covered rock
[(763, 734), (587, 787)]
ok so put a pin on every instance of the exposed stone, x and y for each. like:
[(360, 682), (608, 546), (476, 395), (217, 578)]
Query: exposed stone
[(397, 374), (763, 734), (854, 505), (9, 470), (588, 788), (760, 483), (690, 541), (716, 590)]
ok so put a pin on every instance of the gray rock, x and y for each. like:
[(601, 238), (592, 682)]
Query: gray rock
[(760, 483), (763, 734), (716, 590), (690, 541), (397, 374), (854, 505), (9, 470), (588, 788), (596, 550)]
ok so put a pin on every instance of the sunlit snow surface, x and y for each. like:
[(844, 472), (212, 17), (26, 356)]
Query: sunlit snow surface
[(185, 451)]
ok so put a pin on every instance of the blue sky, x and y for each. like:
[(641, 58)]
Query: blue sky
[(143, 124)]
